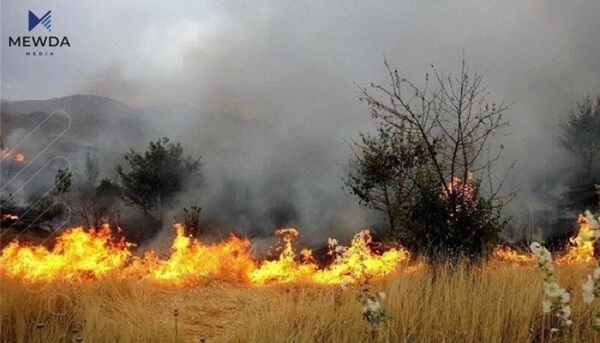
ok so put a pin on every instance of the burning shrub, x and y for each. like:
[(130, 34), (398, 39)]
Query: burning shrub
[(419, 168), (451, 225)]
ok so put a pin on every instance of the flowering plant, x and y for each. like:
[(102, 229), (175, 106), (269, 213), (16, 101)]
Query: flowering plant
[(556, 299), (372, 312), (591, 287)]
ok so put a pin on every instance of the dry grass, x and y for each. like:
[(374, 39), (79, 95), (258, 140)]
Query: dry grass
[(498, 303)]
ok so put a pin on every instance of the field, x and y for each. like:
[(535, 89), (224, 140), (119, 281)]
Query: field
[(499, 302)]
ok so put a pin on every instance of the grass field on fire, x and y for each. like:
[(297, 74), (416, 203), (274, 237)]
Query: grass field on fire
[(91, 287), (498, 303)]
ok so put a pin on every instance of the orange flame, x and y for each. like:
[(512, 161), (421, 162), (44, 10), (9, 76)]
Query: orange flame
[(79, 255), (509, 255), (76, 255), (582, 249)]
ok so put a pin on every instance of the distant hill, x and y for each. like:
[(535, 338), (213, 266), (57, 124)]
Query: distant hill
[(91, 116), (95, 125)]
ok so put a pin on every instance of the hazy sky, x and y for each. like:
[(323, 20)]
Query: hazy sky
[(295, 64)]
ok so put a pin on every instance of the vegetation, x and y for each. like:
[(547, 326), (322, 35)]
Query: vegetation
[(580, 133), (151, 179), (427, 164), (52, 204), (497, 303), (94, 200)]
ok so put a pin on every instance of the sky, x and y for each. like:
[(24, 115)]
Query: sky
[(297, 66)]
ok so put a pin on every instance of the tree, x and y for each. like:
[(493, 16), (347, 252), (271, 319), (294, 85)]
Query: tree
[(94, 201), (450, 213), (383, 172), (580, 133), (155, 176)]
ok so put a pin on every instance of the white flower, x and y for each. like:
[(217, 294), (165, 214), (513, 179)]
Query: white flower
[(596, 275), (568, 322), (373, 305), (545, 258), (382, 295), (542, 254), (535, 248), (588, 285), (338, 249), (591, 221), (566, 312), (546, 306), (588, 298), (552, 289), (588, 290), (565, 297)]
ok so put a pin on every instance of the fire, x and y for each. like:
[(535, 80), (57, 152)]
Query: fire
[(10, 216), (286, 268), (582, 249), (191, 260), (462, 190), (77, 255), (509, 255), (80, 255)]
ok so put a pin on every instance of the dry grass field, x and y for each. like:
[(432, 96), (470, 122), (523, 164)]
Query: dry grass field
[(498, 302)]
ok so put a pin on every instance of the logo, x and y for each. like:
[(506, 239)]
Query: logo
[(39, 45), (45, 20)]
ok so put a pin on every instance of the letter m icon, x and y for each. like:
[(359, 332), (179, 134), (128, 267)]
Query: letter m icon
[(45, 20)]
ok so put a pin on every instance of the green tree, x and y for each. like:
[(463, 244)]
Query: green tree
[(153, 178), (383, 170), (580, 132)]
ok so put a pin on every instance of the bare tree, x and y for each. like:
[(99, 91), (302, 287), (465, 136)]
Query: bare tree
[(94, 200), (426, 165), (453, 118), (580, 132)]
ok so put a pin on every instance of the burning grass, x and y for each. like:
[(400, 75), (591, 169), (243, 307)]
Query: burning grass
[(92, 285), (496, 303), (79, 255)]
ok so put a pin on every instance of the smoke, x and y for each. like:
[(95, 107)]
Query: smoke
[(279, 82), (267, 93)]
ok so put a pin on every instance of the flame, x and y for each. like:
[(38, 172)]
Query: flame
[(507, 254), (80, 255), (466, 194), (357, 262), (286, 268), (77, 255), (582, 249), (191, 260), (10, 216)]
